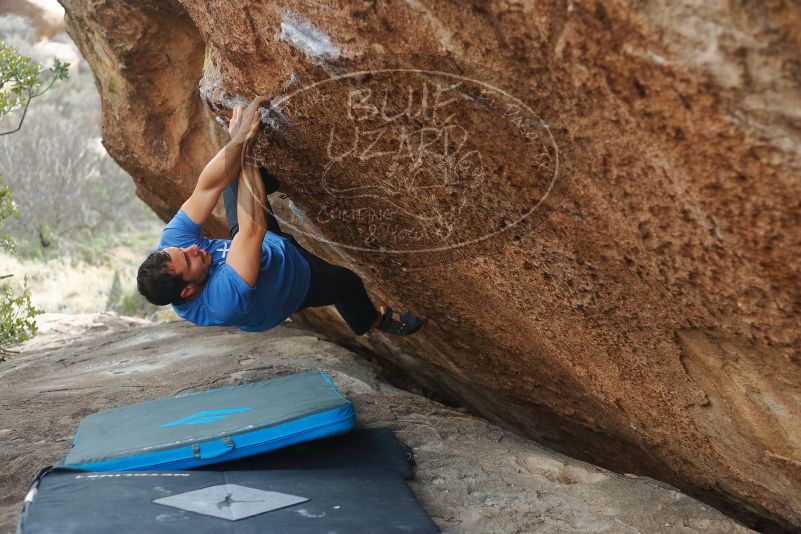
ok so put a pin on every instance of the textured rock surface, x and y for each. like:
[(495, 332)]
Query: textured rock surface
[(472, 477), (634, 164)]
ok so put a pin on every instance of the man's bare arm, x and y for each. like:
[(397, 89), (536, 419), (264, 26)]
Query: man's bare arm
[(225, 165), (245, 254)]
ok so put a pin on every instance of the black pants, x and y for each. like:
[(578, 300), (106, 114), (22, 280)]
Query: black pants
[(328, 284)]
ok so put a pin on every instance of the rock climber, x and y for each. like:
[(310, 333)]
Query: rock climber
[(262, 275)]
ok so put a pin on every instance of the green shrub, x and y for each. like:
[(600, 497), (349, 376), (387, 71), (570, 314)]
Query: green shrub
[(133, 304), (128, 303), (7, 209), (17, 312), (17, 316), (21, 80)]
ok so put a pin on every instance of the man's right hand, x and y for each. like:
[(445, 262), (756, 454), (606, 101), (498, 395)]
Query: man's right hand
[(225, 166)]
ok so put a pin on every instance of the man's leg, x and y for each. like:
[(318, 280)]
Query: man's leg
[(229, 201), (333, 284)]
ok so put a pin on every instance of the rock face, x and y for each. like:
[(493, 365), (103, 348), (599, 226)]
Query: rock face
[(594, 204), (472, 477)]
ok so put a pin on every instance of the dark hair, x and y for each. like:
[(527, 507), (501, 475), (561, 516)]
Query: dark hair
[(156, 283)]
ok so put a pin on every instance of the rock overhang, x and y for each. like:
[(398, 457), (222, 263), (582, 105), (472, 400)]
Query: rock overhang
[(677, 207)]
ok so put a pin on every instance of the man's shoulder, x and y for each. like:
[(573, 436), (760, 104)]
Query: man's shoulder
[(181, 231)]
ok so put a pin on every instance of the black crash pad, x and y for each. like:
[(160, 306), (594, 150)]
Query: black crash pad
[(375, 448), (344, 501)]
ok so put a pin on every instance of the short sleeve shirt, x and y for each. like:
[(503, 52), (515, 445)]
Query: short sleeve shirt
[(226, 299)]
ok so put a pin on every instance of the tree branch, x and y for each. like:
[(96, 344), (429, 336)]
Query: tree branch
[(24, 112), (46, 89), (31, 96)]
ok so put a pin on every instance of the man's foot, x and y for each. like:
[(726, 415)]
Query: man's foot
[(406, 323), (271, 183)]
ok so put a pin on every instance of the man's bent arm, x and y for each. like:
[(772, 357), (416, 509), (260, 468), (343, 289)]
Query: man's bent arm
[(245, 254), (223, 167)]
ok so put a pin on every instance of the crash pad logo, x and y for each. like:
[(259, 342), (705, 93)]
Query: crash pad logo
[(406, 160), (230, 501), (205, 416)]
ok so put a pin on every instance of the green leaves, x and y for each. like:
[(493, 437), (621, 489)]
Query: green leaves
[(22, 80), (7, 209), (17, 312), (17, 316)]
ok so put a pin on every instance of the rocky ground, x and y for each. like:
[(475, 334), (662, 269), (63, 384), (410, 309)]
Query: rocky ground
[(472, 477)]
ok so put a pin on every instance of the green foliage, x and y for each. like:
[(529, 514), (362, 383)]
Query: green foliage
[(7, 209), (21, 80), (128, 303), (133, 304), (75, 201), (17, 314)]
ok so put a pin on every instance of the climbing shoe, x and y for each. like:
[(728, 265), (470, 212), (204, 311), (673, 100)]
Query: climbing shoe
[(271, 183), (408, 324)]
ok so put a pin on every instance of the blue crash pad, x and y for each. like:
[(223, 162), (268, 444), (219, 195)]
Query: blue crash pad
[(212, 426)]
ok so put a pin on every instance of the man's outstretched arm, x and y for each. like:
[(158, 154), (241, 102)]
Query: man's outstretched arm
[(245, 254), (225, 165)]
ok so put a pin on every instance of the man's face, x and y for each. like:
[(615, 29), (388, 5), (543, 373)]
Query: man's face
[(191, 264)]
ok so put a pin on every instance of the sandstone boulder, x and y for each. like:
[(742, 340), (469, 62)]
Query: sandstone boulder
[(594, 204)]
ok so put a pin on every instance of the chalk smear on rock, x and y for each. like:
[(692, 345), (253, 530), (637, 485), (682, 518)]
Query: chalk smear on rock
[(307, 38)]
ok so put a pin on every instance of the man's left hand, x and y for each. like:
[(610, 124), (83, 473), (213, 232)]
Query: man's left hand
[(236, 121)]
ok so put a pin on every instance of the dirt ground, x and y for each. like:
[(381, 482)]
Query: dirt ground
[(472, 477)]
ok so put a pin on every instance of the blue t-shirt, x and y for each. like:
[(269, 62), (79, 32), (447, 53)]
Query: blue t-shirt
[(226, 300)]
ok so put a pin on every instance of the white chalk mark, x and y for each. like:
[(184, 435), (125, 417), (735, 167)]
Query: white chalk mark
[(649, 55), (272, 116), (307, 38), (305, 513), (291, 81), (232, 100)]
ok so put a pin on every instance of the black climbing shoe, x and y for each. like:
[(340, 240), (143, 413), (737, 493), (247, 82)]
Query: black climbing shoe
[(271, 183), (409, 323)]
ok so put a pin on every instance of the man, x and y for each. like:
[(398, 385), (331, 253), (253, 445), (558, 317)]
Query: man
[(261, 276)]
